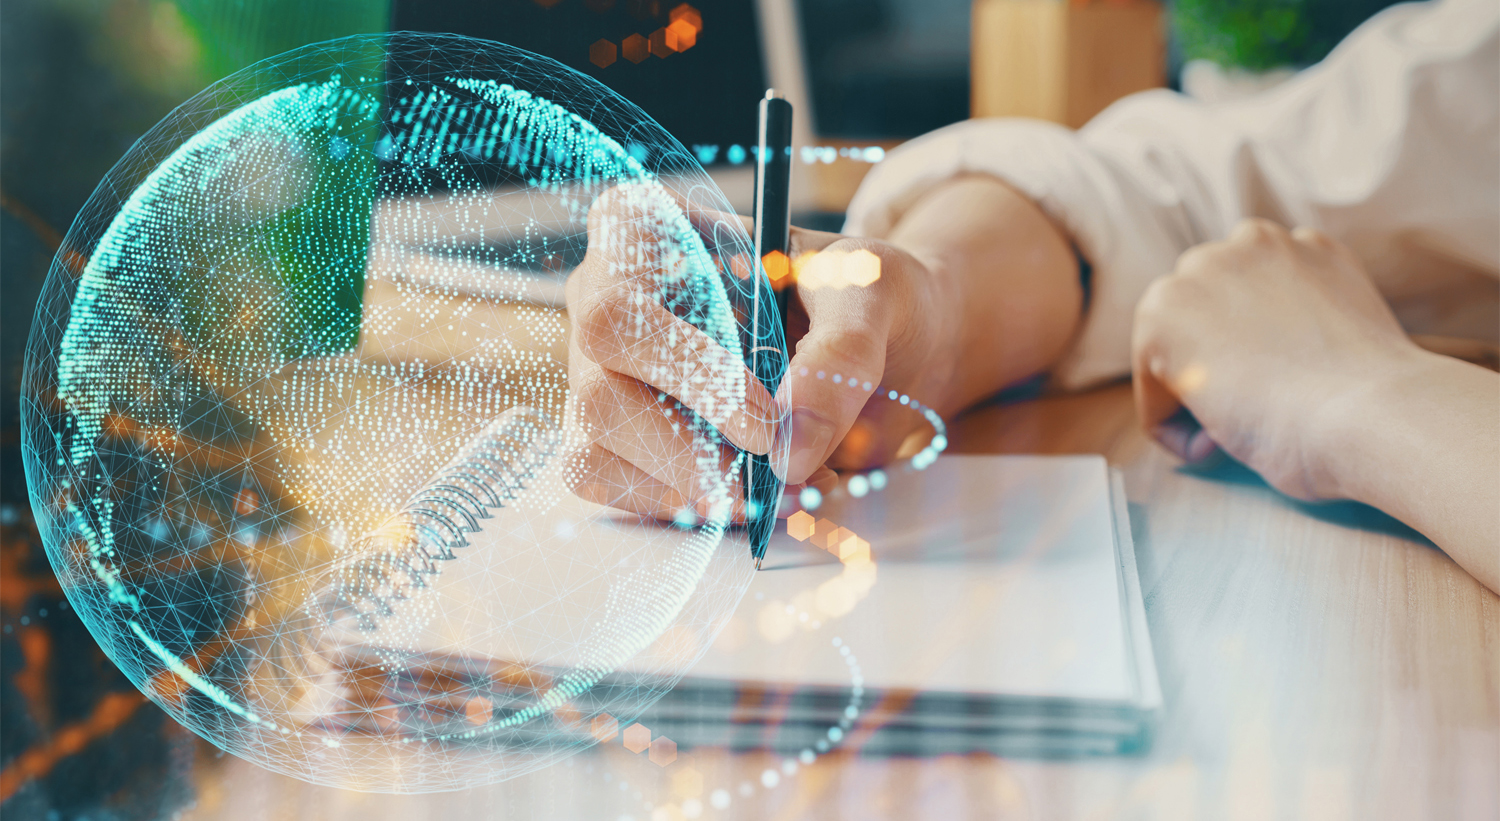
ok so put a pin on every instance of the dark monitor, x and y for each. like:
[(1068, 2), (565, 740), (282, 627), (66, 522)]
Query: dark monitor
[(885, 69), (704, 95)]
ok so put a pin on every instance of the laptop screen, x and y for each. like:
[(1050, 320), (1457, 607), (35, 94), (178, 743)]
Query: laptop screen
[(885, 69)]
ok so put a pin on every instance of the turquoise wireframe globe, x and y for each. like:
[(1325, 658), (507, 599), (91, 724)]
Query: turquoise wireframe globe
[(299, 431)]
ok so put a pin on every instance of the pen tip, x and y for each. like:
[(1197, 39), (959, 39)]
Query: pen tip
[(773, 94), (758, 560)]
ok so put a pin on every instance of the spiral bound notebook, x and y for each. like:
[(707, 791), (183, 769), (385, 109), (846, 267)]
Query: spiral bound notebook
[(988, 603), (1005, 615)]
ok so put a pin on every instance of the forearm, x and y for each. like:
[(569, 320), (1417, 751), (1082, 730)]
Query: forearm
[(1424, 446), (1009, 276)]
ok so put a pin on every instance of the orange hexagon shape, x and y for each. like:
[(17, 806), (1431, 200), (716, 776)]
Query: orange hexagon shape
[(637, 737), (479, 710), (799, 525), (602, 53), (686, 14), (604, 727), (778, 267), (659, 45), (635, 48), (663, 751), (681, 35)]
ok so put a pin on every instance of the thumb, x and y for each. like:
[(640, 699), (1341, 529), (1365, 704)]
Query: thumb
[(837, 365)]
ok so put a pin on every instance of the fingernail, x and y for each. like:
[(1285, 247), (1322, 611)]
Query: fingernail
[(757, 421), (753, 431), (823, 479), (1173, 438), (810, 437), (1199, 447)]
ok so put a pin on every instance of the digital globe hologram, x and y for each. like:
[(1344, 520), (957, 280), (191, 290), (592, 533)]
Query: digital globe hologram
[(298, 426)]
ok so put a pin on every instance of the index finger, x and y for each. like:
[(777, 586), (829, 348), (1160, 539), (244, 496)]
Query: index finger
[(1158, 404), (633, 267)]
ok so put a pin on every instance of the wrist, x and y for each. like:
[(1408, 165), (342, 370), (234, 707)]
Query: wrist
[(1003, 276), (940, 312), (1353, 421)]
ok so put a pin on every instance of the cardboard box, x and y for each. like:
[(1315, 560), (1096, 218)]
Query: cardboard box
[(1063, 60)]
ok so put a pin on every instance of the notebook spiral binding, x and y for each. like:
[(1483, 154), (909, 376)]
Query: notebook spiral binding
[(403, 556)]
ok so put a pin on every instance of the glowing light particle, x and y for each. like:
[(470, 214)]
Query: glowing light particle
[(604, 728), (822, 529), (775, 623), (603, 53), (663, 751), (858, 486), (835, 538), (684, 13), (687, 782), (851, 547), (635, 48), (659, 44), (637, 738), (479, 710), (681, 35), (799, 525), (861, 268), (1191, 379), (778, 268)]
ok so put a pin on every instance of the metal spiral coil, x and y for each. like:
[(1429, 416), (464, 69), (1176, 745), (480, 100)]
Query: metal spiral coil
[(404, 555)]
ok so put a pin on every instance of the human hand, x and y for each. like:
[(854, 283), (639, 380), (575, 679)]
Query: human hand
[(848, 341), (895, 333), (1263, 337)]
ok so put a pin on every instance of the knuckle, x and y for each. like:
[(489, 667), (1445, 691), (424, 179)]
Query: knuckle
[(1258, 231), (609, 204), (584, 468), (613, 217), (592, 394), (1200, 259), (1170, 294), (1312, 236), (608, 404), (1168, 303), (600, 320)]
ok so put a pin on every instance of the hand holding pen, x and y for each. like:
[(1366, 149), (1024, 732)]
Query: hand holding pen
[(846, 341)]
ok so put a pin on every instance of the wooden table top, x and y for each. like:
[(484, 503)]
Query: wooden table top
[(1316, 662)]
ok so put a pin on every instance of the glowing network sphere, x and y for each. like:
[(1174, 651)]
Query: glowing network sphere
[(298, 424)]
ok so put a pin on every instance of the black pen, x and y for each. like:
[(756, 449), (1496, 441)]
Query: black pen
[(773, 215)]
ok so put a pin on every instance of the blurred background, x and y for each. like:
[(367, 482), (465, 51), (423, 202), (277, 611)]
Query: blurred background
[(81, 80)]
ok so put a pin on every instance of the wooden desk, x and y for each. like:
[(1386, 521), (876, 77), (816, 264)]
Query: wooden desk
[(1323, 665)]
